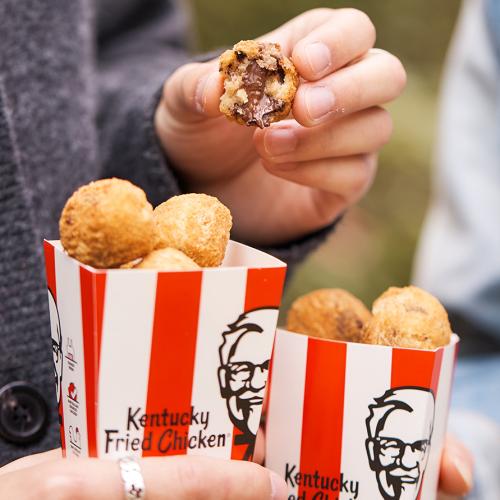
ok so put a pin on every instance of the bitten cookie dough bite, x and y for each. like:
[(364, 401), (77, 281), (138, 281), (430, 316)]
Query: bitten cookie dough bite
[(259, 83), (196, 224), (408, 317), (329, 313), (167, 259), (107, 223)]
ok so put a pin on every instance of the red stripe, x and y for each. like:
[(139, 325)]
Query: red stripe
[(172, 358), (323, 412), (99, 291), (238, 451), (264, 287), (92, 305), (436, 372), (50, 268), (414, 368), (89, 356)]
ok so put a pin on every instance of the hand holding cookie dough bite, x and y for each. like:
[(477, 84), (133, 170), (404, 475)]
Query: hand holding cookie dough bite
[(343, 84)]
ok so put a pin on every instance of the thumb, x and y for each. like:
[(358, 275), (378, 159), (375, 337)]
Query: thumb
[(192, 92), (200, 477)]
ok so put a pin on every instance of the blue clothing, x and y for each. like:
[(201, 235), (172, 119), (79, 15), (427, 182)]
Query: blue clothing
[(475, 419), (458, 259)]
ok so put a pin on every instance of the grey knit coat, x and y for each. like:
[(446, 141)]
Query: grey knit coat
[(79, 83)]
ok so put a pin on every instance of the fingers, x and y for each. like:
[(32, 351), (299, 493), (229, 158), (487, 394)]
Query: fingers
[(65, 479), (197, 477), (179, 478), (31, 460), (191, 94), (337, 182), (321, 41), (291, 33), (456, 469), (288, 142), (345, 36), (376, 79)]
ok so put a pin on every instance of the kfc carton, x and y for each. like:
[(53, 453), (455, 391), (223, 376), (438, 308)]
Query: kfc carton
[(162, 363), (353, 421)]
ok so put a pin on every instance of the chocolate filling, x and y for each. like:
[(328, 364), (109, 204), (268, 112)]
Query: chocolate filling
[(259, 106)]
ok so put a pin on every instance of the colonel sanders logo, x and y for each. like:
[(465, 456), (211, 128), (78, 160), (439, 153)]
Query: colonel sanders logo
[(57, 356), (399, 437), (244, 365)]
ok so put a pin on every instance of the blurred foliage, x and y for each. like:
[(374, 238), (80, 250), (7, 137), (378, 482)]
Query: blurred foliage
[(373, 246)]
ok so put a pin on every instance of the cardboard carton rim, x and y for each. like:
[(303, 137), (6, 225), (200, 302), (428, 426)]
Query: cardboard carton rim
[(455, 339), (275, 263)]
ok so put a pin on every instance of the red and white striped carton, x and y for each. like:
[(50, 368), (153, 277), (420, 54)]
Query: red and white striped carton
[(353, 421), (162, 363)]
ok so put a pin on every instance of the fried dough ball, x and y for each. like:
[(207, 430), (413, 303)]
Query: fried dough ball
[(107, 223), (259, 83), (196, 224), (167, 259), (330, 313), (408, 317)]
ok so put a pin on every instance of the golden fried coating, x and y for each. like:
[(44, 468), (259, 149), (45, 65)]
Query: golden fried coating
[(259, 83), (196, 224), (107, 223), (167, 259), (329, 313), (408, 317)]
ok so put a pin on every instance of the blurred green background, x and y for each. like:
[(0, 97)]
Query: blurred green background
[(373, 247)]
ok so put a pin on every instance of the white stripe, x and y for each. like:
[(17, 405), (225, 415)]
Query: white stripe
[(368, 375), (431, 477), (286, 403), (222, 301), (125, 353), (69, 305)]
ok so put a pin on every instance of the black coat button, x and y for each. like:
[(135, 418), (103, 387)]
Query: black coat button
[(23, 413)]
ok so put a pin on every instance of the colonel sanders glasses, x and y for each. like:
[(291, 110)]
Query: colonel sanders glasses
[(393, 449), (241, 374)]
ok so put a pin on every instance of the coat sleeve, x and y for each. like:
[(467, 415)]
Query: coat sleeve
[(134, 60)]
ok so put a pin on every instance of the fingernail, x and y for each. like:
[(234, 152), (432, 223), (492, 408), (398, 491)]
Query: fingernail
[(278, 487), (201, 91), (280, 141), (465, 471), (319, 102), (318, 56)]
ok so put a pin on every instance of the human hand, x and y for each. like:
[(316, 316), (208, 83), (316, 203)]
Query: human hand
[(456, 470), (298, 175), (48, 476)]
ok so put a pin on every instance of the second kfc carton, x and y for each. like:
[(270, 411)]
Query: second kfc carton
[(151, 363), (354, 421)]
